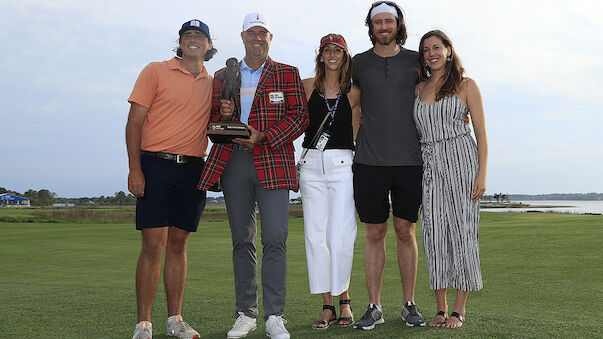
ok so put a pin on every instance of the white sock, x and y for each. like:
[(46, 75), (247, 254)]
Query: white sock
[(378, 307), (145, 324), (177, 317)]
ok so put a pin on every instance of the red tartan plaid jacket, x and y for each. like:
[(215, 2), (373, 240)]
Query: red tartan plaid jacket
[(282, 122)]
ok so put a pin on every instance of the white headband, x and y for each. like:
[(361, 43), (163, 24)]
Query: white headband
[(384, 8)]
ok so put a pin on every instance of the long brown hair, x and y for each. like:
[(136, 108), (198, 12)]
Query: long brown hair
[(345, 72), (401, 35), (454, 73)]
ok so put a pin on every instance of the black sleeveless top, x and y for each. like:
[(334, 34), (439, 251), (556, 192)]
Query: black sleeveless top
[(342, 135)]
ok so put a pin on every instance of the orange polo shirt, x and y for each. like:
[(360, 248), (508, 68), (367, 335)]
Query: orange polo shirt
[(179, 106)]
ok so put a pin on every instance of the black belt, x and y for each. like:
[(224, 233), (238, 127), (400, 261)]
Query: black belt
[(240, 147), (178, 158)]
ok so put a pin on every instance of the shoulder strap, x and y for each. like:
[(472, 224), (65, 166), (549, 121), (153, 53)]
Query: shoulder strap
[(322, 124)]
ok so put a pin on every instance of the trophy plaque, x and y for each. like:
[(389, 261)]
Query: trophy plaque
[(224, 131)]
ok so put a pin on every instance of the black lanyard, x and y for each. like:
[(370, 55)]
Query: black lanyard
[(332, 110)]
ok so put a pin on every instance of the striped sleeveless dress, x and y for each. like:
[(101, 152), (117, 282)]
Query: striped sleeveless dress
[(449, 218)]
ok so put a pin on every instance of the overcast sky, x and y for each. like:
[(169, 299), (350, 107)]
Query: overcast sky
[(68, 68)]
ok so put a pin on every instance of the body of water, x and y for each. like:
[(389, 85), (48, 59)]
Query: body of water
[(569, 206)]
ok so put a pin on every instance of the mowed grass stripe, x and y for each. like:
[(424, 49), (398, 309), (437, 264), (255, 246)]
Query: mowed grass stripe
[(542, 278)]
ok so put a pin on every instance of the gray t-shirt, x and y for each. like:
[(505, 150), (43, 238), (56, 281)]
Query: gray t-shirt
[(387, 135)]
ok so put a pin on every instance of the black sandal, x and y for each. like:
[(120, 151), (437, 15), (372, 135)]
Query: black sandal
[(459, 317), (324, 323), (439, 313), (348, 320)]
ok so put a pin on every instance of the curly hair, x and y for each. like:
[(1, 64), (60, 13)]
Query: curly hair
[(454, 73), (401, 35), (208, 55)]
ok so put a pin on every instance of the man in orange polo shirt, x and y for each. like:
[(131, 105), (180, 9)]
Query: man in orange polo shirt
[(166, 142)]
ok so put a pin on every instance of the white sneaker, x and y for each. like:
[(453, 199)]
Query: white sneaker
[(176, 327), (144, 330), (275, 327), (242, 326)]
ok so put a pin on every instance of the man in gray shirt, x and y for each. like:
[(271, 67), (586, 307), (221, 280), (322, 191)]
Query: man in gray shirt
[(388, 157)]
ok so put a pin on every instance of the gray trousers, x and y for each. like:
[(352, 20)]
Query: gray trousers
[(242, 189)]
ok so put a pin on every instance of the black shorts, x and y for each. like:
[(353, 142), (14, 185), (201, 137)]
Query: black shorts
[(372, 187), (171, 197)]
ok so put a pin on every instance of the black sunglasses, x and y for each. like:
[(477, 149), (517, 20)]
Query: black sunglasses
[(377, 3)]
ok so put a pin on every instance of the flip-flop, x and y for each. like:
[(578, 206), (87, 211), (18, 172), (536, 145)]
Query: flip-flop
[(459, 317), (439, 313)]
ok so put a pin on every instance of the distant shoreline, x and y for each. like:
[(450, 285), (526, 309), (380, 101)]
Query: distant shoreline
[(555, 196), (516, 205), (567, 206)]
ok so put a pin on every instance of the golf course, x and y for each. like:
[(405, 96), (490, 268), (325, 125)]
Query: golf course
[(69, 273)]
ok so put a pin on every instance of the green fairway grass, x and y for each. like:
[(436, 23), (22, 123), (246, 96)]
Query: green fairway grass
[(542, 278)]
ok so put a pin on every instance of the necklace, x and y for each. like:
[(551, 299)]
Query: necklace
[(332, 91)]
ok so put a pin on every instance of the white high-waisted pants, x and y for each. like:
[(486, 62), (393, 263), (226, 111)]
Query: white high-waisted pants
[(329, 219)]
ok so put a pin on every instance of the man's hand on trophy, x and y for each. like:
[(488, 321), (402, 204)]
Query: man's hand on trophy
[(256, 138), (226, 109)]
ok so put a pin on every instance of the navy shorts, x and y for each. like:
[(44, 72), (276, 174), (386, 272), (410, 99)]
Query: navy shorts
[(171, 197), (372, 188)]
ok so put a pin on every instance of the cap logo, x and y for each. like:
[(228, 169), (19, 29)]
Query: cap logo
[(255, 19), (195, 24)]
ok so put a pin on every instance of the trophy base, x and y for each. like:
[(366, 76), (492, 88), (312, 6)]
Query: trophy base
[(224, 132)]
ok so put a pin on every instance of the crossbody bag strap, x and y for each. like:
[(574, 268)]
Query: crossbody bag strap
[(315, 136)]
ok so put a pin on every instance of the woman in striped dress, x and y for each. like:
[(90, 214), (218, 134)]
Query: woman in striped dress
[(454, 174)]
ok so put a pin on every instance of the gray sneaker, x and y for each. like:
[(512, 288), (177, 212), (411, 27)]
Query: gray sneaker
[(176, 327), (371, 317), (412, 315), (144, 330)]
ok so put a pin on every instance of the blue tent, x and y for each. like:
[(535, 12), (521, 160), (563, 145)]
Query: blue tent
[(13, 200)]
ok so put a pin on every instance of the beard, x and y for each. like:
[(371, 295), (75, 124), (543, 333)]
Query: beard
[(385, 40)]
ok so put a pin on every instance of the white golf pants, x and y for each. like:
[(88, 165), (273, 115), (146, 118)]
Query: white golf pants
[(329, 219)]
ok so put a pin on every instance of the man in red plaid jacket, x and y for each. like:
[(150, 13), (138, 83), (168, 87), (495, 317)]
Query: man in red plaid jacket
[(260, 169)]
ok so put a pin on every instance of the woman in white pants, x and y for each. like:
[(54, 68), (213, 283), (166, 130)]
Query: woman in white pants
[(326, 178)]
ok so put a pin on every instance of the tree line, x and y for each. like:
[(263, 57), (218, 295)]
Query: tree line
[(558, 196), (45, 197), (499, 197)]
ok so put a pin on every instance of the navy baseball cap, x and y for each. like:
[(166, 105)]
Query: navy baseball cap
[(196, 25)]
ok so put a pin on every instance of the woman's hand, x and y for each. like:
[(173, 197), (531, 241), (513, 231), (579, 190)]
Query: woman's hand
[(479, 187)]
